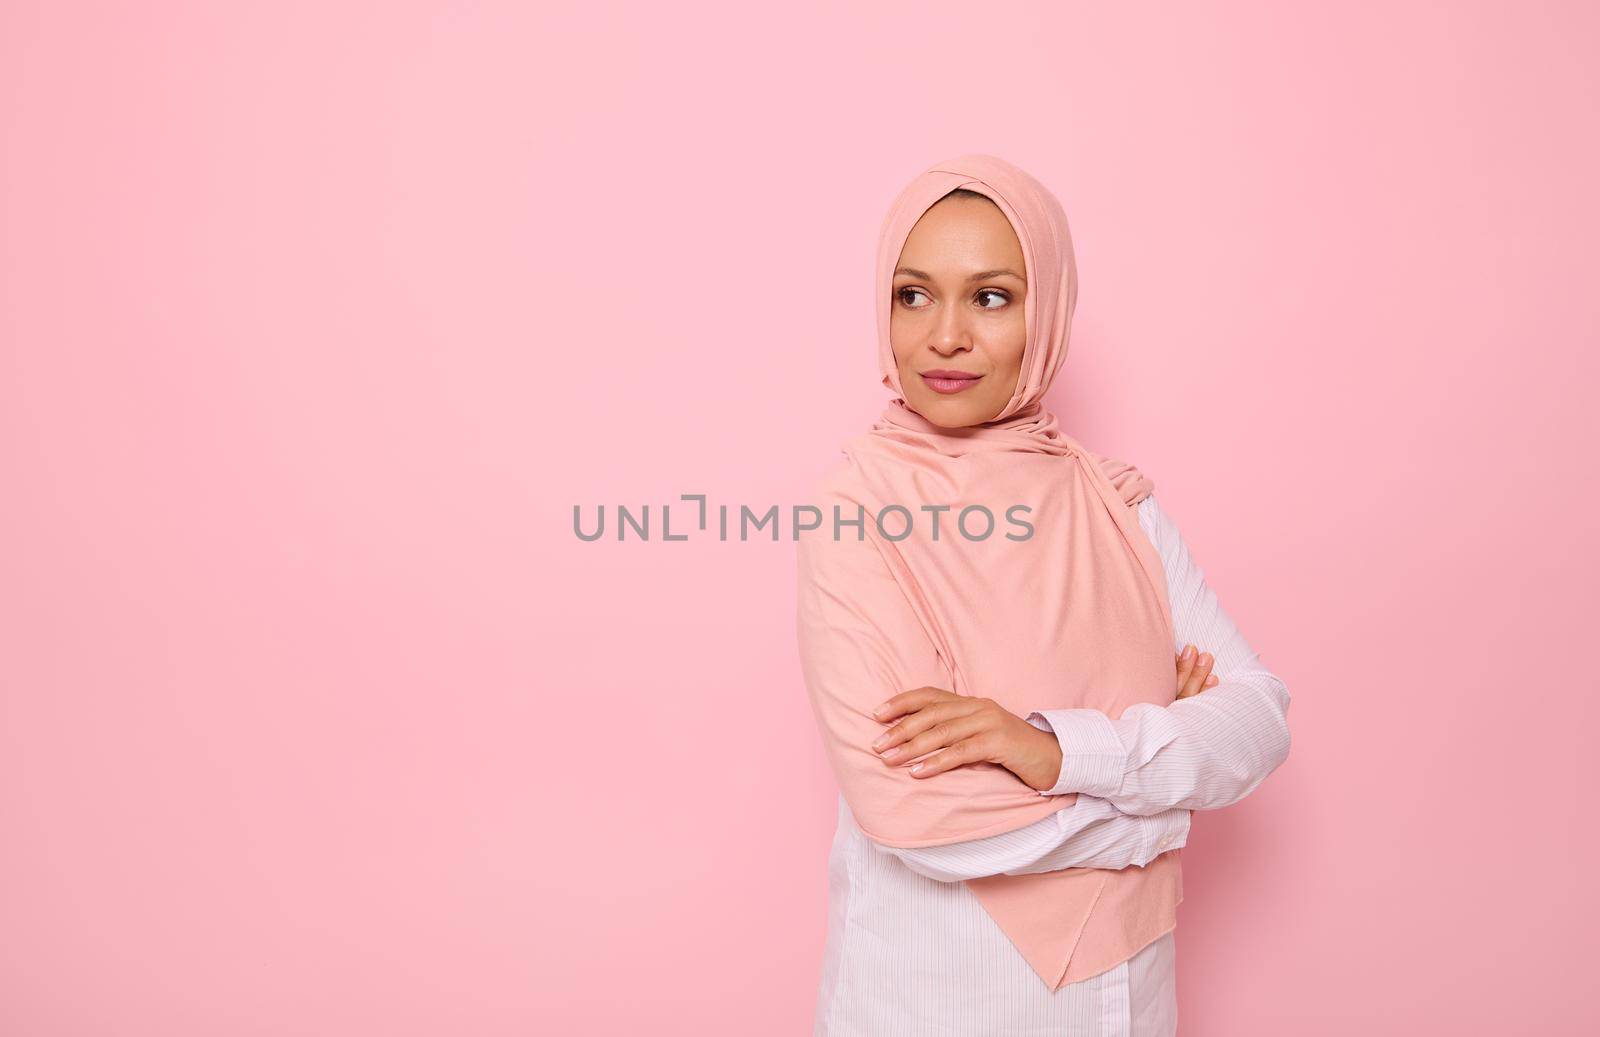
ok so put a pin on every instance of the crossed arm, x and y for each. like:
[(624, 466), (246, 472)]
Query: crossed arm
[(1137, 777)]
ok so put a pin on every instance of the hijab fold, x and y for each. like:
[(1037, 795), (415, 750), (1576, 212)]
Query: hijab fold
[(1074, 616)]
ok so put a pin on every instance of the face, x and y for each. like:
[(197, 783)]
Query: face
[(956, 313)]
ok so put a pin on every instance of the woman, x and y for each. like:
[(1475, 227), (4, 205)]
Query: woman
[(1024, 878)]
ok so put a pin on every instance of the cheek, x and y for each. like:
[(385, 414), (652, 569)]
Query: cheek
[(899, 352), (899, 336), (1013, 344), (1009, 361)]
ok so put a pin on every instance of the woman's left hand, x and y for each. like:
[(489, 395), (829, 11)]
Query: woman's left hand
[(968, 729)]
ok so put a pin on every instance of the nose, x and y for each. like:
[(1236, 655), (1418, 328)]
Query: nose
[(952, 334)]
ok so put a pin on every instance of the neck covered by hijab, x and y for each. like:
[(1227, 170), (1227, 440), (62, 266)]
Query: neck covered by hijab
[(910, 586)]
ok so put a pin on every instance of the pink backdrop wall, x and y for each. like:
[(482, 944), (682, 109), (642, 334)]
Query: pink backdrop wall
[(318, 319)]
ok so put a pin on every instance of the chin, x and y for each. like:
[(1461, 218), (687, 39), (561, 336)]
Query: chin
[(950, 411)]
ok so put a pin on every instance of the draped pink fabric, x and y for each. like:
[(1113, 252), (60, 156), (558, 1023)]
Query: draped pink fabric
[(1075, 615)]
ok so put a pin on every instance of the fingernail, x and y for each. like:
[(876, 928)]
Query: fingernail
[(880, 743), (1188, 651), (918, 768), (1205, 658), (892, 753), (879, 711)]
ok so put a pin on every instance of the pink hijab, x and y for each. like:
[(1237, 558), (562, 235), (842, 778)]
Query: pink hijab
[(1073, 616)]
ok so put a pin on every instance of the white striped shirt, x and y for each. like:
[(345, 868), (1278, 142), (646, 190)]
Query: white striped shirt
[(909, 948)]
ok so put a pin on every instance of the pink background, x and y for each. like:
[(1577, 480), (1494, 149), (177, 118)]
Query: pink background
[(318, 319)]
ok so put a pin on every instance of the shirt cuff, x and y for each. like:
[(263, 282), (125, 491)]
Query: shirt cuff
[(1168, 830), (1093, 758)]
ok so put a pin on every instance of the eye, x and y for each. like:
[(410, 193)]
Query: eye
[(901, 294), (1004, 298)]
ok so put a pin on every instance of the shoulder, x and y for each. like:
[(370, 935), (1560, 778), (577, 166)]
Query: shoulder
[(840, 541), (1130, 482), (1162, 531), (840, 484)]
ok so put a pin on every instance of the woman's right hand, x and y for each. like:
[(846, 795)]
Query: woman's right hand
[(1194, 671)]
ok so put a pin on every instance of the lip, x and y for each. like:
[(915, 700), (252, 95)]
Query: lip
[(947, 382)]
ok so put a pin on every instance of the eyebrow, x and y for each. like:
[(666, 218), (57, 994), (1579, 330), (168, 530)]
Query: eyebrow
[(982, 275)]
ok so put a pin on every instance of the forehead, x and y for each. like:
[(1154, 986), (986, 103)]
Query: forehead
[(964, 233)]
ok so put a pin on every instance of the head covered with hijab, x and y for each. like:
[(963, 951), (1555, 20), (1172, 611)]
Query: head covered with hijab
[(1040, 224), (912, 581)]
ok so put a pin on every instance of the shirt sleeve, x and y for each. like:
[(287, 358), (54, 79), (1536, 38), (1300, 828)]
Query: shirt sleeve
[(1089, 834), (1203, 752)]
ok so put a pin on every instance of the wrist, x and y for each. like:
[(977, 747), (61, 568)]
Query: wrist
[(1046, 752)]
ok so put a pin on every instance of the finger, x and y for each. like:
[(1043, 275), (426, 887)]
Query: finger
[(931, 737), (914, 723), (1185, 665), (1197, 675), (1210, 682), (938, 736), (946, 760), (906, 702)]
